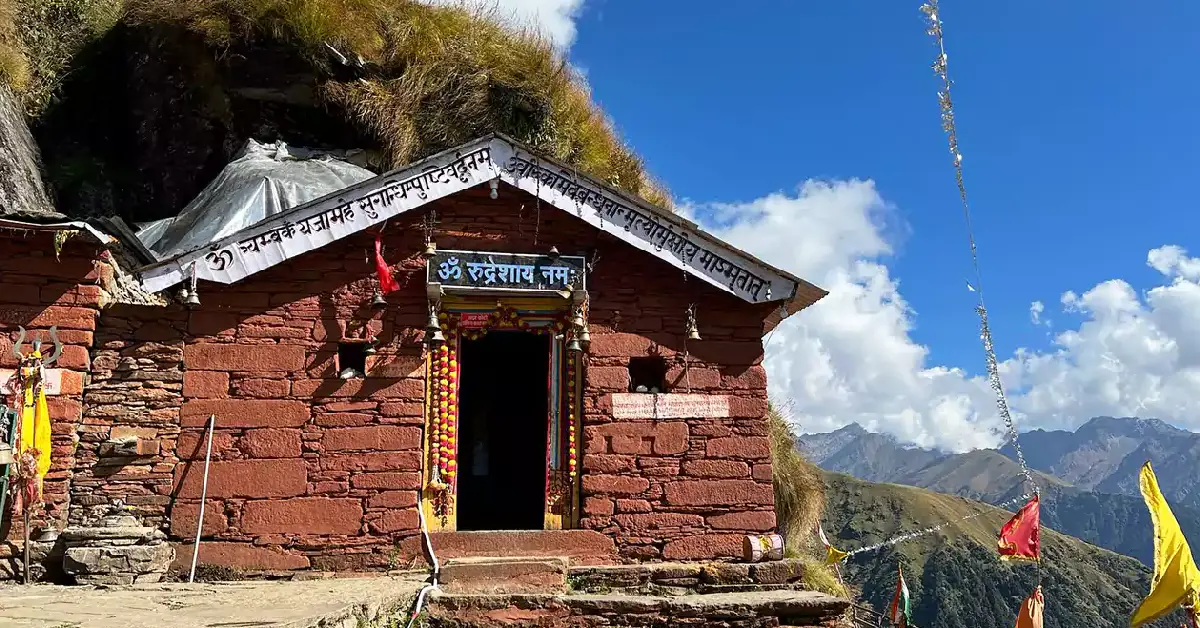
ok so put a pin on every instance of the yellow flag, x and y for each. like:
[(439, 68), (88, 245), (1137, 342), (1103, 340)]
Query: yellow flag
[(833, 555), (1176, 579), (35, 418)]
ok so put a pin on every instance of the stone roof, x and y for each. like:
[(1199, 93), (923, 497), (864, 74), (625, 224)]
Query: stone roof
[(22, 192)]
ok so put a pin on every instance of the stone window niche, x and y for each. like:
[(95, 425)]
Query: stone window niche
[(352, 359), (648, 375)]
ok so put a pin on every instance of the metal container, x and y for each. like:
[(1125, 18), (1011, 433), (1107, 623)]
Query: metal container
[(757, 548)]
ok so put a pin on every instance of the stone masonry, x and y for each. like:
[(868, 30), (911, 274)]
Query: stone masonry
[(311, 471), (38, 291)]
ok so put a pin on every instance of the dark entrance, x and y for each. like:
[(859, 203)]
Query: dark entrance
[(503, 392)]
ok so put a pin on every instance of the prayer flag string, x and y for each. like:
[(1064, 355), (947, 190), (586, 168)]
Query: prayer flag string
[(908, 536), (935, 30)]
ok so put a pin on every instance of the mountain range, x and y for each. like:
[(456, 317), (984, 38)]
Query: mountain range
[(1088, 478), (953, 573)]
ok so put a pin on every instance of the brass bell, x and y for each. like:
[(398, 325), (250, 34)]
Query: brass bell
[(584, 336), (430, 250), (432, 322), (192, 300), (435, 336), (377, 300), (577, 320), (573, 346), (692, 332), (553, 253)]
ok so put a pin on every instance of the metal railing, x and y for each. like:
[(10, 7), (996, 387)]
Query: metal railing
[(863, 617)]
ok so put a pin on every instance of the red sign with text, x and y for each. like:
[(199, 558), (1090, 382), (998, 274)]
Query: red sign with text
[(474, 320)]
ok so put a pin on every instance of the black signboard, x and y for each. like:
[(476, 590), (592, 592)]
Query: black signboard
[(505, 271)]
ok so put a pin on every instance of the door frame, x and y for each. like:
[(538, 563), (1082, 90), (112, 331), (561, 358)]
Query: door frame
[(533, 315)]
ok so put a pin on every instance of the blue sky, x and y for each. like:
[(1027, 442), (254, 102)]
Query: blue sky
[(1076, 120), (809, 134)]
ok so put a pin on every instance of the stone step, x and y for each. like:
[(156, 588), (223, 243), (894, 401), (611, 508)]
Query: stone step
[(760, 608), (497, 575), (583, 547), (686, 578)]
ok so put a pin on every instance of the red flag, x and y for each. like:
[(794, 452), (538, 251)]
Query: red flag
[(386, 282), (1019, 538)]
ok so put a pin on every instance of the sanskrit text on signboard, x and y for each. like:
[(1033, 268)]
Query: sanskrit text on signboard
[(669, 406), (662, 234), (505, 271)]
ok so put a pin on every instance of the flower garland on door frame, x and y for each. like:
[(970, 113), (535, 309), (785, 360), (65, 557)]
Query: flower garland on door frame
[(443, 383), (572, 458), (444, 429)]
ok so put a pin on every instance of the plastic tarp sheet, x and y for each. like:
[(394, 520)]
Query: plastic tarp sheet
[(261, 181)]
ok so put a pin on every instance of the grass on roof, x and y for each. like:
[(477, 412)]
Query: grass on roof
[(430, 77), (14, 67)]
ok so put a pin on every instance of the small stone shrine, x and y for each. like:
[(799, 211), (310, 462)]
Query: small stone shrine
[(116, 550)]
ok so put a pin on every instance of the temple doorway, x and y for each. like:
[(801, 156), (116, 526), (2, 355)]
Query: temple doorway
[(503, 397)]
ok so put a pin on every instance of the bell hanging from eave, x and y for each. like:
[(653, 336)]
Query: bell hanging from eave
[(433, 330), (193, 299), (692, 332), (430, 251), (584, 336), (377, 300), (573, 346), (577, 320)]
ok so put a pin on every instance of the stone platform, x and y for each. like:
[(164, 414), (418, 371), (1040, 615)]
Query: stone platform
[(477, 592), (327, 603)]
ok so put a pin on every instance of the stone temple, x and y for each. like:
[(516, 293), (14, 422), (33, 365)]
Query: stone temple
[(487, 343)]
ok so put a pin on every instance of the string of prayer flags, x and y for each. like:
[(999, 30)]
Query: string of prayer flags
[(1176, 580), (1031, 610), (386, 282), (898, 611), (1020, 537), (833, 555)]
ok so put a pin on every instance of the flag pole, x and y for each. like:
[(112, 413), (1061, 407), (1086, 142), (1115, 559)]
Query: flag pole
[(25, 532)]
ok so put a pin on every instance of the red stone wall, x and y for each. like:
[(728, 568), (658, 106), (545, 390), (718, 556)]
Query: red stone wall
[(674, 489), (38, 291), (313, 471)]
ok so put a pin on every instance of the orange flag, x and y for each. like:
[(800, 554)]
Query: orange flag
[(1031, 610), (1019, 538)]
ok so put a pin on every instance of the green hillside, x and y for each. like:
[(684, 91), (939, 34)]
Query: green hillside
[(954, 574)]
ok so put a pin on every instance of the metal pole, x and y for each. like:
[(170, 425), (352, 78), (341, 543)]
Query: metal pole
[(212, 422), (26, 532)]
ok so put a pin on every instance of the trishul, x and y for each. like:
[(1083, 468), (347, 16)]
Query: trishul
[(37, 346)]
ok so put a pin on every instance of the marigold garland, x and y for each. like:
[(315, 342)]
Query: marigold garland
[(444, 403), (572, 459)]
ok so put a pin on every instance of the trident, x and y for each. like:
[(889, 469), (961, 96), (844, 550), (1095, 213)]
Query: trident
[(37, 346)]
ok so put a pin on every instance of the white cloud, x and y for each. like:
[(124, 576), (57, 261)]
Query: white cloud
[(555, 18), (850, 357), (1035, 313)]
